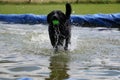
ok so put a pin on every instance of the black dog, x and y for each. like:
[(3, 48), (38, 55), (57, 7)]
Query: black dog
[(60, 27)]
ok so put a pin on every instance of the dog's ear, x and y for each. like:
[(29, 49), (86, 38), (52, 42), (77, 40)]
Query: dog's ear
[(49, 17)]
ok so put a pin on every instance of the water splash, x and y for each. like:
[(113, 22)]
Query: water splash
[(74, 38)]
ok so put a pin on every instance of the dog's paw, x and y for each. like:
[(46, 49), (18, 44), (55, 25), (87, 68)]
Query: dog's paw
[(69, 42), (65, 48)]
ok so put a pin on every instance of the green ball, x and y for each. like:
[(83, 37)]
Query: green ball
[(55, 22)]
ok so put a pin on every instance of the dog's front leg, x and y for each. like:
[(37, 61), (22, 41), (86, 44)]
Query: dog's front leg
[(51, 36), (67, 41)]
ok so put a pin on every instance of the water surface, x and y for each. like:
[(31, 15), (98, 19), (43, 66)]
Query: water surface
[(25, 51)]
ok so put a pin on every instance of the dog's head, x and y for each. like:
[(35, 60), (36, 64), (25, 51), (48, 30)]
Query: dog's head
[(56, 18)]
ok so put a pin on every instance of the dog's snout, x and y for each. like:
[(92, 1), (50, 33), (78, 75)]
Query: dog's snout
[(55, 16)]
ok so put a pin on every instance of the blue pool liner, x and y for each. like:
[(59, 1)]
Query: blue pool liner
[(23, 18), (25, 78), (89, 20)]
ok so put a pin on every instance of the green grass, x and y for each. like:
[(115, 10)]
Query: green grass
[(96, 8), (46, 8)]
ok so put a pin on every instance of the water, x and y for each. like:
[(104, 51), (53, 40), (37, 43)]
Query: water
[(25, 51)]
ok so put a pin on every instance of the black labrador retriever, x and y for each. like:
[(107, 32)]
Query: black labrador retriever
[(60, 27)]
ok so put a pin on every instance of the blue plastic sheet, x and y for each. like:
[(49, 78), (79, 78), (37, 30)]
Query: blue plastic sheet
[(23, 18), (25, 78), (97, 20), (90, 20)]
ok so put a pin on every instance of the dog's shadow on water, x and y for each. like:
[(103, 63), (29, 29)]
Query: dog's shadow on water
[(59, 66)]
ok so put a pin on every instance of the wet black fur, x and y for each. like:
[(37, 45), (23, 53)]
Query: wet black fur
[(60, 33)]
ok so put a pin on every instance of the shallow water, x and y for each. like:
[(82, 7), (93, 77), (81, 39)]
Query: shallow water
[(25, 51)]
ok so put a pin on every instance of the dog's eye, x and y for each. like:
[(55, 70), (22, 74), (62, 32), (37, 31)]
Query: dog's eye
[(55, 22)]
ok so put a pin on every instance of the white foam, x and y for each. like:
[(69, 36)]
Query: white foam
[(74, 38)]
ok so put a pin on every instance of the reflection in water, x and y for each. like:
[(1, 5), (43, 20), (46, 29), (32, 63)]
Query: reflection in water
[(58, 67)]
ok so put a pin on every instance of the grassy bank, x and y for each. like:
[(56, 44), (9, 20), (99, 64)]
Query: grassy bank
[(46, 8), (60, 1)]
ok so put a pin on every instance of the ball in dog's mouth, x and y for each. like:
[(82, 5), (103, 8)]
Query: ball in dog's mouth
[(55, 22)]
